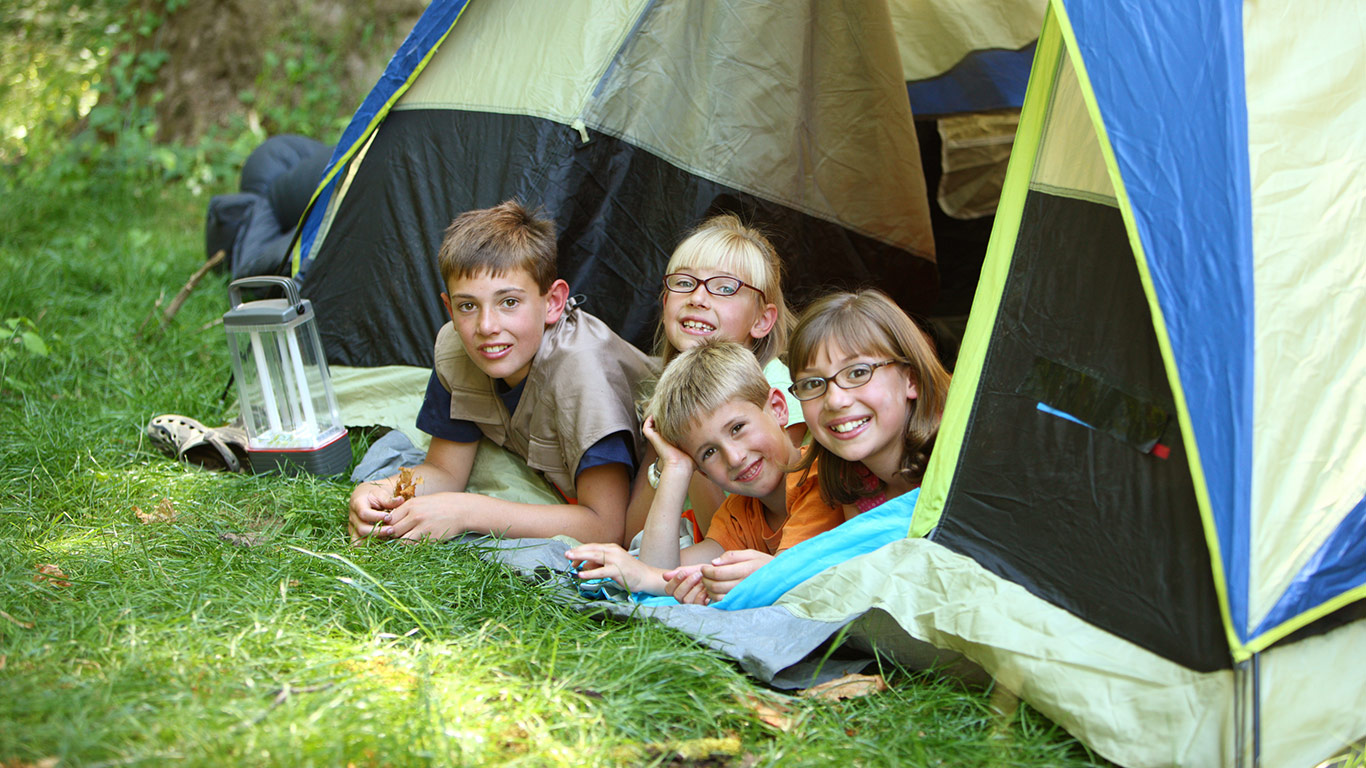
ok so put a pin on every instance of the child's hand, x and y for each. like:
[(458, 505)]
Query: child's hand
[(685, 585), (670, 457), (434, 517), (722, 574), (370, 502), (608, 561)]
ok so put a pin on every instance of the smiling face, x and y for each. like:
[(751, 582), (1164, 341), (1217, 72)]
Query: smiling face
[(866, 424), (691, 318), (501, 318), (742, 447)]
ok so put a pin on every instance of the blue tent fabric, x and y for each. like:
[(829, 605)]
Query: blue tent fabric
[(982, 81), (1189, 186)]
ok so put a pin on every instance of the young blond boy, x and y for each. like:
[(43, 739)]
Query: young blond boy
[(520, 365), (713, 410)]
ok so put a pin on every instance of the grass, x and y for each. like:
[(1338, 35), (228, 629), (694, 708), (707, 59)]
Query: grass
[(247, 631)]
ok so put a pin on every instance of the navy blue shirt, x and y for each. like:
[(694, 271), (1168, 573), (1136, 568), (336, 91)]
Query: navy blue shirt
[(434, 418)]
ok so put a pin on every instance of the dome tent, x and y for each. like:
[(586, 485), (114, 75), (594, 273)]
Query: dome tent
[(1145, 510)]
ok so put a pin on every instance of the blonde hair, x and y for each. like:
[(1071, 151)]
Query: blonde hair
[(498, 240), (702, 379), (727, 244), (868, 322)]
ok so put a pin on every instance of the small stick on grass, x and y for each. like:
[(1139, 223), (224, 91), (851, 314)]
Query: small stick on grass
[(174, 306), (184, 294)]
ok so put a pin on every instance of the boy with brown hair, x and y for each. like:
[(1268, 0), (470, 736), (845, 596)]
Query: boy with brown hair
[(520, 365), (714, 411)]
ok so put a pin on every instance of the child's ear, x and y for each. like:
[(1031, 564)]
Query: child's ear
[(555, 300), (446, 302), (777, 405), (764, 322)]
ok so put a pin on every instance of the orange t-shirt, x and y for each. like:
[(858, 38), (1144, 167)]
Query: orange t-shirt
[(739, 522)]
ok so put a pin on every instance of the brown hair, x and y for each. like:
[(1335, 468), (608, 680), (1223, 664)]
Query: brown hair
[(498, 240), (702, 379), (868, 322), (725, 243)]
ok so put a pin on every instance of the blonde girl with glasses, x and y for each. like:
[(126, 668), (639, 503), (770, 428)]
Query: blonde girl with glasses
[(872, 392), (722, 283)]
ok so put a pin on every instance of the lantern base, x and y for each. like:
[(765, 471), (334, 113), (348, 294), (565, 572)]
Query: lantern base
[(330, 459)]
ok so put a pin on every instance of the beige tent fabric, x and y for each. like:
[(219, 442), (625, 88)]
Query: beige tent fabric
[(1118, 698), (1132, 706), (1306, 106), (976, 151), (1070, 163), (1313, 697), (934, 35), (486, 64), (801, 103), (387, 395)]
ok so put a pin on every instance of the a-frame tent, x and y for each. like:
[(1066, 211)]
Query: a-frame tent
[(1145, 511)]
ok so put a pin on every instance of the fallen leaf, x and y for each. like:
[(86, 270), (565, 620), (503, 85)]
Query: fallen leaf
[(240, 539), (24, 624), (165, 513), (771, 713), (50, 573), (847, 687), (406, 487)]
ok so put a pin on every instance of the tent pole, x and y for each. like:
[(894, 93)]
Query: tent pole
[(1247, 713), (1256, 710)]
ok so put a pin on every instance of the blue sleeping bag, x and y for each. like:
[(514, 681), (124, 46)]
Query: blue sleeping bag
[(869, 531)]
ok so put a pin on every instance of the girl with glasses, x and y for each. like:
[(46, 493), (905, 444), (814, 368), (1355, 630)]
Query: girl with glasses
[(724, 283), (872, 391)]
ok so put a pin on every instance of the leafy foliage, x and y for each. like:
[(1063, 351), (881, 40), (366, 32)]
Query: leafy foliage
[(83, 86)]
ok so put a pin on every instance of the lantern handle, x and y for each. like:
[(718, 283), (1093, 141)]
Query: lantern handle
[(266, 281)]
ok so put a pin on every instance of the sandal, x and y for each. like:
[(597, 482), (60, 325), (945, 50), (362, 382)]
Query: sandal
[(182, 438)]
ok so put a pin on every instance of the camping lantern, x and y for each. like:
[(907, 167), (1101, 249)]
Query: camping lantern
[(290, 412)]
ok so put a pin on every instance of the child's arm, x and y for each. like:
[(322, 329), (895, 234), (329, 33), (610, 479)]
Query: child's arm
[(597, 516), (659, 544), (703, 493), (446, 468), (610, 561)]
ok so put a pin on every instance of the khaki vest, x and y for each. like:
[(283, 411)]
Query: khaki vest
[(582, 387)]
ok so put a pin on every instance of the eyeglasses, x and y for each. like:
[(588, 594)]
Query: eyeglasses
[(720, 285), (848, 377)]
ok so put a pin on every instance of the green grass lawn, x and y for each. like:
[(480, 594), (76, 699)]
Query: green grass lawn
[(247, 631)]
